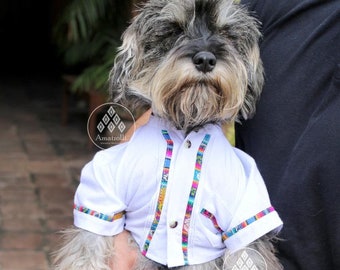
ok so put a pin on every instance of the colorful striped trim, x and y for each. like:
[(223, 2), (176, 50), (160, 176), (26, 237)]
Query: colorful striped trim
[(192, 195), (230, 233), (88, 211), (162, 192), (211, 216)]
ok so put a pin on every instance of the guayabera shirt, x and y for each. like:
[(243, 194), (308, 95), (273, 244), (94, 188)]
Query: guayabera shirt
[(185, 199)]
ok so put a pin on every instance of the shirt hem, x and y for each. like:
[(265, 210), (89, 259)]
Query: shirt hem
[(98, 226), (254, 231)]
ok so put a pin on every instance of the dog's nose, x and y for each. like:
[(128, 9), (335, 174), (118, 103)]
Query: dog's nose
[(204, 61)]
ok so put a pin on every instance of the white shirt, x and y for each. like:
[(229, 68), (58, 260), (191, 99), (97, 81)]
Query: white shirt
[(184, 199)]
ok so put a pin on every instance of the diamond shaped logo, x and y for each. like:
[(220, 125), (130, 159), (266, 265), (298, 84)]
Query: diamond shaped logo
[(116, 119), (106, 119), (111, 127), (121, 127), (246, 260), (108, 125), (244, 255), (111, 111), (239, 263), (100, 127), (249, 263)]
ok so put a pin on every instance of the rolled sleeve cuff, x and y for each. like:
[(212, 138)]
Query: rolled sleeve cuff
[(97, 225), (244, 234)]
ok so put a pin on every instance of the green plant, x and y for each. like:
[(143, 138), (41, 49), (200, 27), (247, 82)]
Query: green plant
[(87, 36)]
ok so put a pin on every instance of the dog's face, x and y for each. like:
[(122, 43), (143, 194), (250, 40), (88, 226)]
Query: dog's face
[(192, 61)]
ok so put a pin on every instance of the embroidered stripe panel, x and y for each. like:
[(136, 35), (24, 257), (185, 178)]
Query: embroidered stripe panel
[(212, 217), (162, 191), (88, 211), (230, 233), (192, 195)]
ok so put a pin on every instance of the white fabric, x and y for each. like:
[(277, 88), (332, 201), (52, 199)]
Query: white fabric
[(128, 177)]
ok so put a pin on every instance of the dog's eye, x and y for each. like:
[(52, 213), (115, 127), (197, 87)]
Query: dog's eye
[(163, 37)]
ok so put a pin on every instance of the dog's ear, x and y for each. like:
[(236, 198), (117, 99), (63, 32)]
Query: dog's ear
[(130, 61), (255, 81), (126, 69), (248, 47), (125, 65)]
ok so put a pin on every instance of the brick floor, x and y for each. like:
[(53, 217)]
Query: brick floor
[(40, 162)]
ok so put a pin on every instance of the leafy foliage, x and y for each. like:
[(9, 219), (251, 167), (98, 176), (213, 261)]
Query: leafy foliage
[(87, 35)]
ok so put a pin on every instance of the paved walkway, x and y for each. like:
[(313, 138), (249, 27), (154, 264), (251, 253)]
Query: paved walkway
[(40, 162)]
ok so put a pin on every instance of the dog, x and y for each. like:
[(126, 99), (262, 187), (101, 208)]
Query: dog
[(185, 198)]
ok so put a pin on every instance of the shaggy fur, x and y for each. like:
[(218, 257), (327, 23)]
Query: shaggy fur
[(83, 250), (78, 249), (154, 67), (158, 66)]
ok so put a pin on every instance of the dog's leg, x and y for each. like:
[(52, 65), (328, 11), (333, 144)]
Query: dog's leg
[(83, 250)]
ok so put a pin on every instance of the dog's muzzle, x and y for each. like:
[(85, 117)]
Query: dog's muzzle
[(204, 61)]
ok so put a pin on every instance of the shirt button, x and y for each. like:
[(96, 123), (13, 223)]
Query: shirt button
[(173, 224), (187, 143)]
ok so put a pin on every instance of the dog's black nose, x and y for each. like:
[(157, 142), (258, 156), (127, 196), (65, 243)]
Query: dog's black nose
[(204, 61)]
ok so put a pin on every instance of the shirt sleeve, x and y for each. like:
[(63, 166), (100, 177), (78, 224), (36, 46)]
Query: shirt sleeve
[(254, 216), (99, 200)]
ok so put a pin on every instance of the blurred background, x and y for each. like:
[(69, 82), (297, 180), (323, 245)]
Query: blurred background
[(55, 56)]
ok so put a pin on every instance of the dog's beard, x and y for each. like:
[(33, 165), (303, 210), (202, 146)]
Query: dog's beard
[(189, 98)]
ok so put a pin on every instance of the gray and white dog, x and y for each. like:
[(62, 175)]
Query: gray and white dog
[(193, 62)]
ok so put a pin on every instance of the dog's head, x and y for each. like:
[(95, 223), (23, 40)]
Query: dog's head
[(192, 61)]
